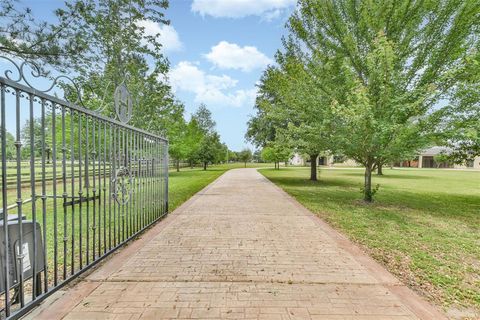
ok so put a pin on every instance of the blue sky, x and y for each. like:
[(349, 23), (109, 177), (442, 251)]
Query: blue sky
[(217, 51)]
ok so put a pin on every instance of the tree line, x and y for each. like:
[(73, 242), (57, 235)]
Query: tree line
[(373, 81), (104, 44)]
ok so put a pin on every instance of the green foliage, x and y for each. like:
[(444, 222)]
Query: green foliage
[(10, 149), (366, 76), (443, 158), (205, 143), (22, 35), (209, 149), (276, 153), (203, 117), (245, 156)]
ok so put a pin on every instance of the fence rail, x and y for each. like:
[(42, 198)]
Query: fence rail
[(90, 184)]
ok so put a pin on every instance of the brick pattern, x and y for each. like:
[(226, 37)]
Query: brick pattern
[(233, 300), (242, 249)]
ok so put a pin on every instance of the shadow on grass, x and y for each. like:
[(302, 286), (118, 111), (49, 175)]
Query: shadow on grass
[(389, 175), (337, 192)]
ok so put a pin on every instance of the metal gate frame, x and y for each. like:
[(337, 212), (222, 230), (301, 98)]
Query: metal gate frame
[(105, 183)]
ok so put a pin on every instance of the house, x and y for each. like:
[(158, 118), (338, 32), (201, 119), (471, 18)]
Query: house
[(426, 159), (323, 160)]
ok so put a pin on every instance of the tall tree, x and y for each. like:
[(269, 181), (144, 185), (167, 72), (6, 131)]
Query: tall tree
[(385, 65), (121, 51), (300, 106), (210, 148), (460, 128), (204, 119)]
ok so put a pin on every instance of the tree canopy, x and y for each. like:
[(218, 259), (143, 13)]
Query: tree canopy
[(377, 76)]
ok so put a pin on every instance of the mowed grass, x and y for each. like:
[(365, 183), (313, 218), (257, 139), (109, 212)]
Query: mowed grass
[(424, 225)]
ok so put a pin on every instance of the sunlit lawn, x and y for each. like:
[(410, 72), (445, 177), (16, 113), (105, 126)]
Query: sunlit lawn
[(424, 225)]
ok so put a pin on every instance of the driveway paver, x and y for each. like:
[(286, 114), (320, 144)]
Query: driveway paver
[(240, 249)]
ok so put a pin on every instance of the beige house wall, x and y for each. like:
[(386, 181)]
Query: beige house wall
[(298, 160)]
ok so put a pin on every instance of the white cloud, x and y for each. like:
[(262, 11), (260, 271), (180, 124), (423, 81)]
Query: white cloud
[(239, 8), (231, 56), (168, 35), (210, 89)]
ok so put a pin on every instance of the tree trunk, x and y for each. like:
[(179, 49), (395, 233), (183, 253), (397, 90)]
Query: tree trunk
[(178, 165), (313, 167), (367, 187), (245, 164), (204, 166), (380, 169)]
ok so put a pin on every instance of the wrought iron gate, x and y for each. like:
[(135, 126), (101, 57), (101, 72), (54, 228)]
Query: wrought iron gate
[(76, 185)]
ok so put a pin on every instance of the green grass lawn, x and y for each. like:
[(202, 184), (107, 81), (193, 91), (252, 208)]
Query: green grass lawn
[(424, 225)]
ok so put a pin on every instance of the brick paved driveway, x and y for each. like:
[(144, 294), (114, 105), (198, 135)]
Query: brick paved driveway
[(239, 249)]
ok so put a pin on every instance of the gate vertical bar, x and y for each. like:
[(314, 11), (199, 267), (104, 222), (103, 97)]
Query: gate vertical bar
[(104, 187), (4, 201), (114, 185), (55, 213), (44, 192), (123, 161), (100, 192), (18, 145), (166, 176), (87, 187), (72, 186), (64, 194), (34, 196), (80, 193), (131, 182), (110, 189), (94, 192)]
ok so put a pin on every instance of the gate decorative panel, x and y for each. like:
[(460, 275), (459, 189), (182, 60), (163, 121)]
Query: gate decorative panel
[(76, 185)]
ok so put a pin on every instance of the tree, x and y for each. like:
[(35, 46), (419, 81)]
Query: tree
[(384, 67), (203, 116), (21, 35), (233, 156), (209, 148), (289, 100), (460, 130), (245, 155), (122, 53), (10, 149), (193, 139), (275, 152)]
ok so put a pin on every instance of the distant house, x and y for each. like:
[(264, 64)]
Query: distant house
[(323, 160), (426, 159)]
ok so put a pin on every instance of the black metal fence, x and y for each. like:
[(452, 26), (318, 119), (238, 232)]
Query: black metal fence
[(75, 186)]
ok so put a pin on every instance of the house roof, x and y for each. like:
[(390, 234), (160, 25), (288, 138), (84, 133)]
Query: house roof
[(435, 150)]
